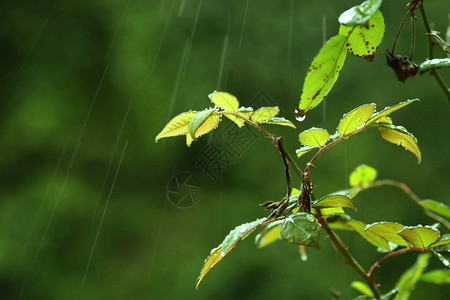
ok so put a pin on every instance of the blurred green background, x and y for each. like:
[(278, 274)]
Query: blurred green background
[(84, 190)]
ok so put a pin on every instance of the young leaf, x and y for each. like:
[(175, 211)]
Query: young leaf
[(420, 236), (436, 277), (179, 125), (264, 114), (388, 231), (269, 235), (364, 40), (301, 229), (333, 201), (436, 207), (362, 287), (224, 100), (304, 150), (245, 112), (388, 110), (362, 176), (279, 121), (314, 137), (208, 125), (355, 118), (408, 280), (360, 14), (385, 120), (323, 73), (399, 136), (434, 63), (199, 120)]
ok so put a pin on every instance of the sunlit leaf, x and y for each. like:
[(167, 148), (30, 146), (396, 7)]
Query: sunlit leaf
[(436, 207), (364, 40), (200, 119), (264, 114), (420, 236), (323, 73), (304, 150), (362, 175), (269, 235), (443, 241), (314, 137), (179, 125), (408, 280), (301, 229), (390, 295), (224, 100), (388, 110), (209, 124), (279, 121), (360, 14), (245, 112), (331, 211), (351, 193), (355, 118), (332, 201), (399, 136), (372, 238), (388, 231), (384, 119), (434, 63), (436, 277), (362, 287)]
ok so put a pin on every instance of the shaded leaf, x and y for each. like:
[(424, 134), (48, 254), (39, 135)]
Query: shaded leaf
[(279, 121), (443, 241), (434, 63), (333, 201), (224, 100), (388, 231), (351, 193), (362, 175), (360, 14), (323, 73), (269, 235), (391, 295), (420, 236), (355, 118), (443, 256), (264, 114), (436, 277), (399, 136), (304, 150), (301, 229), (362, 287), (436, 207), (199, 120), (314, 137), (372, 238), (408, 280), (179, 125), (388, 110)]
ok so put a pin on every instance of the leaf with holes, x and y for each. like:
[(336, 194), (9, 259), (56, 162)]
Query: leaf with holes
[(420, 236), (355, 118), (362, 175), (264, 114), (179, 125), (379, 117), (399, 136), (388, 231), (314, 137), (360, 14)]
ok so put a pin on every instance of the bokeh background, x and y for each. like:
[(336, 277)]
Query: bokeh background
[(85, 210)]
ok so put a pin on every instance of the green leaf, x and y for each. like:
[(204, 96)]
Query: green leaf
[(301, 229), (443, 241), (224, 100), (434, 63), (269, 235), (443, 256), (364, 40), (436, 277), (362, 175), (351, 193), (179, 125), (199, 120), (304, 150), (331, 211), (436, 207), (388, 231), (355, 118), (333, 201), (362, 287), (388, 110), (208, 125), (420, 236), (390, 296), (231, 240), (360, 14), (323, 73), (264, 114), (399, 136), (372, 238), (408, 280), (314, 137), (279, 121), (245, 112)]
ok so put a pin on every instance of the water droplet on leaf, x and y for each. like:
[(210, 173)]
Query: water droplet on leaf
[(222, 254), (243, 229)]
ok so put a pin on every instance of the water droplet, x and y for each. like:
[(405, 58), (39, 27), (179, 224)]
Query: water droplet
[(304, 258), (222, 254), (300, 118), (243, 229), (310, 218)]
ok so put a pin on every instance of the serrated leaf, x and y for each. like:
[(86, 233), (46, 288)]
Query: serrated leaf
[(304, 150), (269, 235), (279, 121), (420, 236), (362, 287), (436, 207), (323, 73), (372, 238), (231, 240), (360, 14), (362, 175), (385, 120), (301, 229), (179, 125), (399, 136), (245, 112), (364, 40), (434, 63), (408, 280), (436, 277), (314, 137), (388, 231), (264, 114), (333, 201), (208, 125), (388, 110), (355, 118), (224, 100), (443, 241), (199, 120)]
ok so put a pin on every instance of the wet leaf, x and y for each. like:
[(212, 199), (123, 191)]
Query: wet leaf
[(388, 231), (208, 125), (408, 280), (436, 207), (279, 121), (362, 287), (245, 112), (179, 125), (333, 201), (199, 120), (372, 238), (420, 236), (434, 63), (436, 277), (304, 150), (323, 73), (314, 137), (301, 229), (385, 120), (362, 175), (355, 118), (443, 241), (331, 211), (443, 256), (399, 136), (360, 14), (391, 295), (388, 110), (224, 100), (351, 193), (364, 40), (442, 252), (269, 235), (264, 114)]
